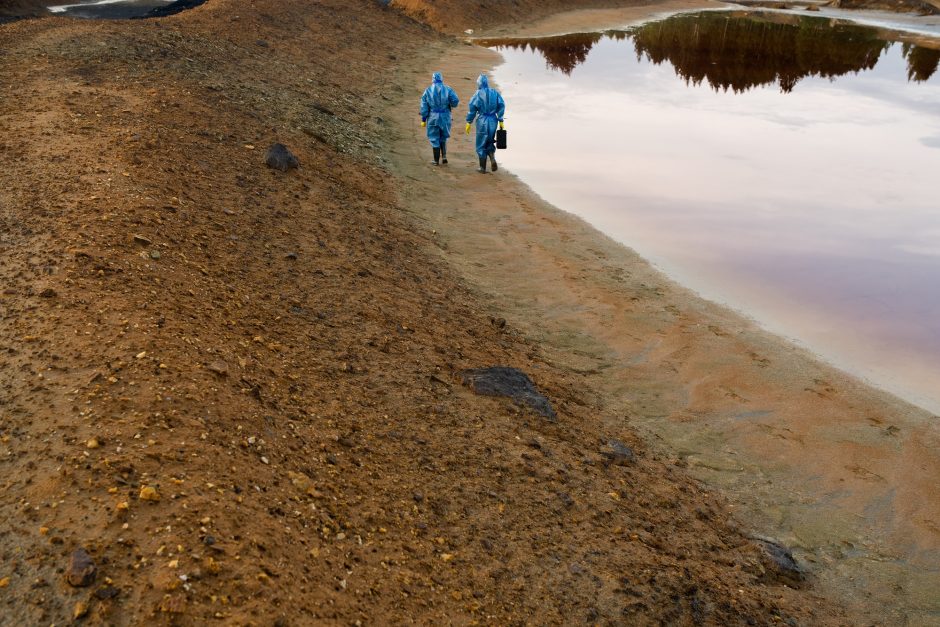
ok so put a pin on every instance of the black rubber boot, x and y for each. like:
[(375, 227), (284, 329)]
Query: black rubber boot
[(493, 165), (444, 153), (437, 155), (482, 169)]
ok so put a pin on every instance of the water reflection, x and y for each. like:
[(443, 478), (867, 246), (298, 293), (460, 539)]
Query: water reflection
[(741, 50), (811, 208)]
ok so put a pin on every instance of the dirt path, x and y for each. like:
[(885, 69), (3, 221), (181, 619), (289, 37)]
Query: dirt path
[(845, 473)]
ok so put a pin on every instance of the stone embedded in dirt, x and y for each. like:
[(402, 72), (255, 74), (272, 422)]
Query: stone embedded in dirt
[(81, 570), (143, 241), (779, 564), (218, 367), (280, 158), (48, 293), (618, 453), (106, 592), (511, 383)]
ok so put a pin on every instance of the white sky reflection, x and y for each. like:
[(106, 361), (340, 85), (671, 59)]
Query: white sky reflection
[(817, 212)]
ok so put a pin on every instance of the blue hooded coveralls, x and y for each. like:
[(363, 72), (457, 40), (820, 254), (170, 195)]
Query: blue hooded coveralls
[(488, 107), (436, 103)]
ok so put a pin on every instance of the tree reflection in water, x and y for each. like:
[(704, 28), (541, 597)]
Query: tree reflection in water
[(741, 50)]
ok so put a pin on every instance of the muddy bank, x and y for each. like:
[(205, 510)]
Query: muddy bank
[(845, 473), (231, 393)]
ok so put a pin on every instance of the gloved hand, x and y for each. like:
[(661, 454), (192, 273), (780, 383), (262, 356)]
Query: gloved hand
[(467, 130), (501, 126), (423, 124)]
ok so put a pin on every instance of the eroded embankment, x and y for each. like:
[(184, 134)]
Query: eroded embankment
[(237, 389)]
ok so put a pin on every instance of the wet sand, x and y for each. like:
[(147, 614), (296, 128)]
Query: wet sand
[(844, 473)]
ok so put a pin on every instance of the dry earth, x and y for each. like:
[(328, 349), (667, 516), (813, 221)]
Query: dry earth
[(238, 389)]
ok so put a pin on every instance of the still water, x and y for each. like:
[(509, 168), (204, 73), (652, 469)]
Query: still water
[(107, 9), (788, 166)]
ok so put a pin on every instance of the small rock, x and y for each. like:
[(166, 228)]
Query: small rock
[(779, 564), (80, 611), (280, 158), (93, 443), (81, 570), (148, 493), (418, 497), (143, 241), (4, 582), (304, 483), (155, 254), (618, 453), (48, 293), (291, 256), (218, 367), (106, 592)]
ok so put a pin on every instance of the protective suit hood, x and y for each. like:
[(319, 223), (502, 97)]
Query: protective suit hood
[(437, 78), (483, 82)]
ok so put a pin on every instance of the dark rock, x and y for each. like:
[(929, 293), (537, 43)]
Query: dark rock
[(779, 564), (280, 158), (291, 256), (418, 497), (48, 293), (81, 570), (106, 592), (511, 383), (142, 240), (618, 453), (209, 540)]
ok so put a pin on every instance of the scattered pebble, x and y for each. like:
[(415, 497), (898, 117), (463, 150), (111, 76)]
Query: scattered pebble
[(148, 493)]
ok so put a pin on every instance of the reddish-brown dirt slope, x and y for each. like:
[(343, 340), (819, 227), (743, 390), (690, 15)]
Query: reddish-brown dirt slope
[(237, 388)]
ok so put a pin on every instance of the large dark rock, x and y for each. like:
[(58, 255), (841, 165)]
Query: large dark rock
[(779, 564), (81, 570), (511, 383), (280, 158)]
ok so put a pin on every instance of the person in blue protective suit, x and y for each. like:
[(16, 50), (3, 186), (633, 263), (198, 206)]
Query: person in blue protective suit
[(488, 107), (436, 103)]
